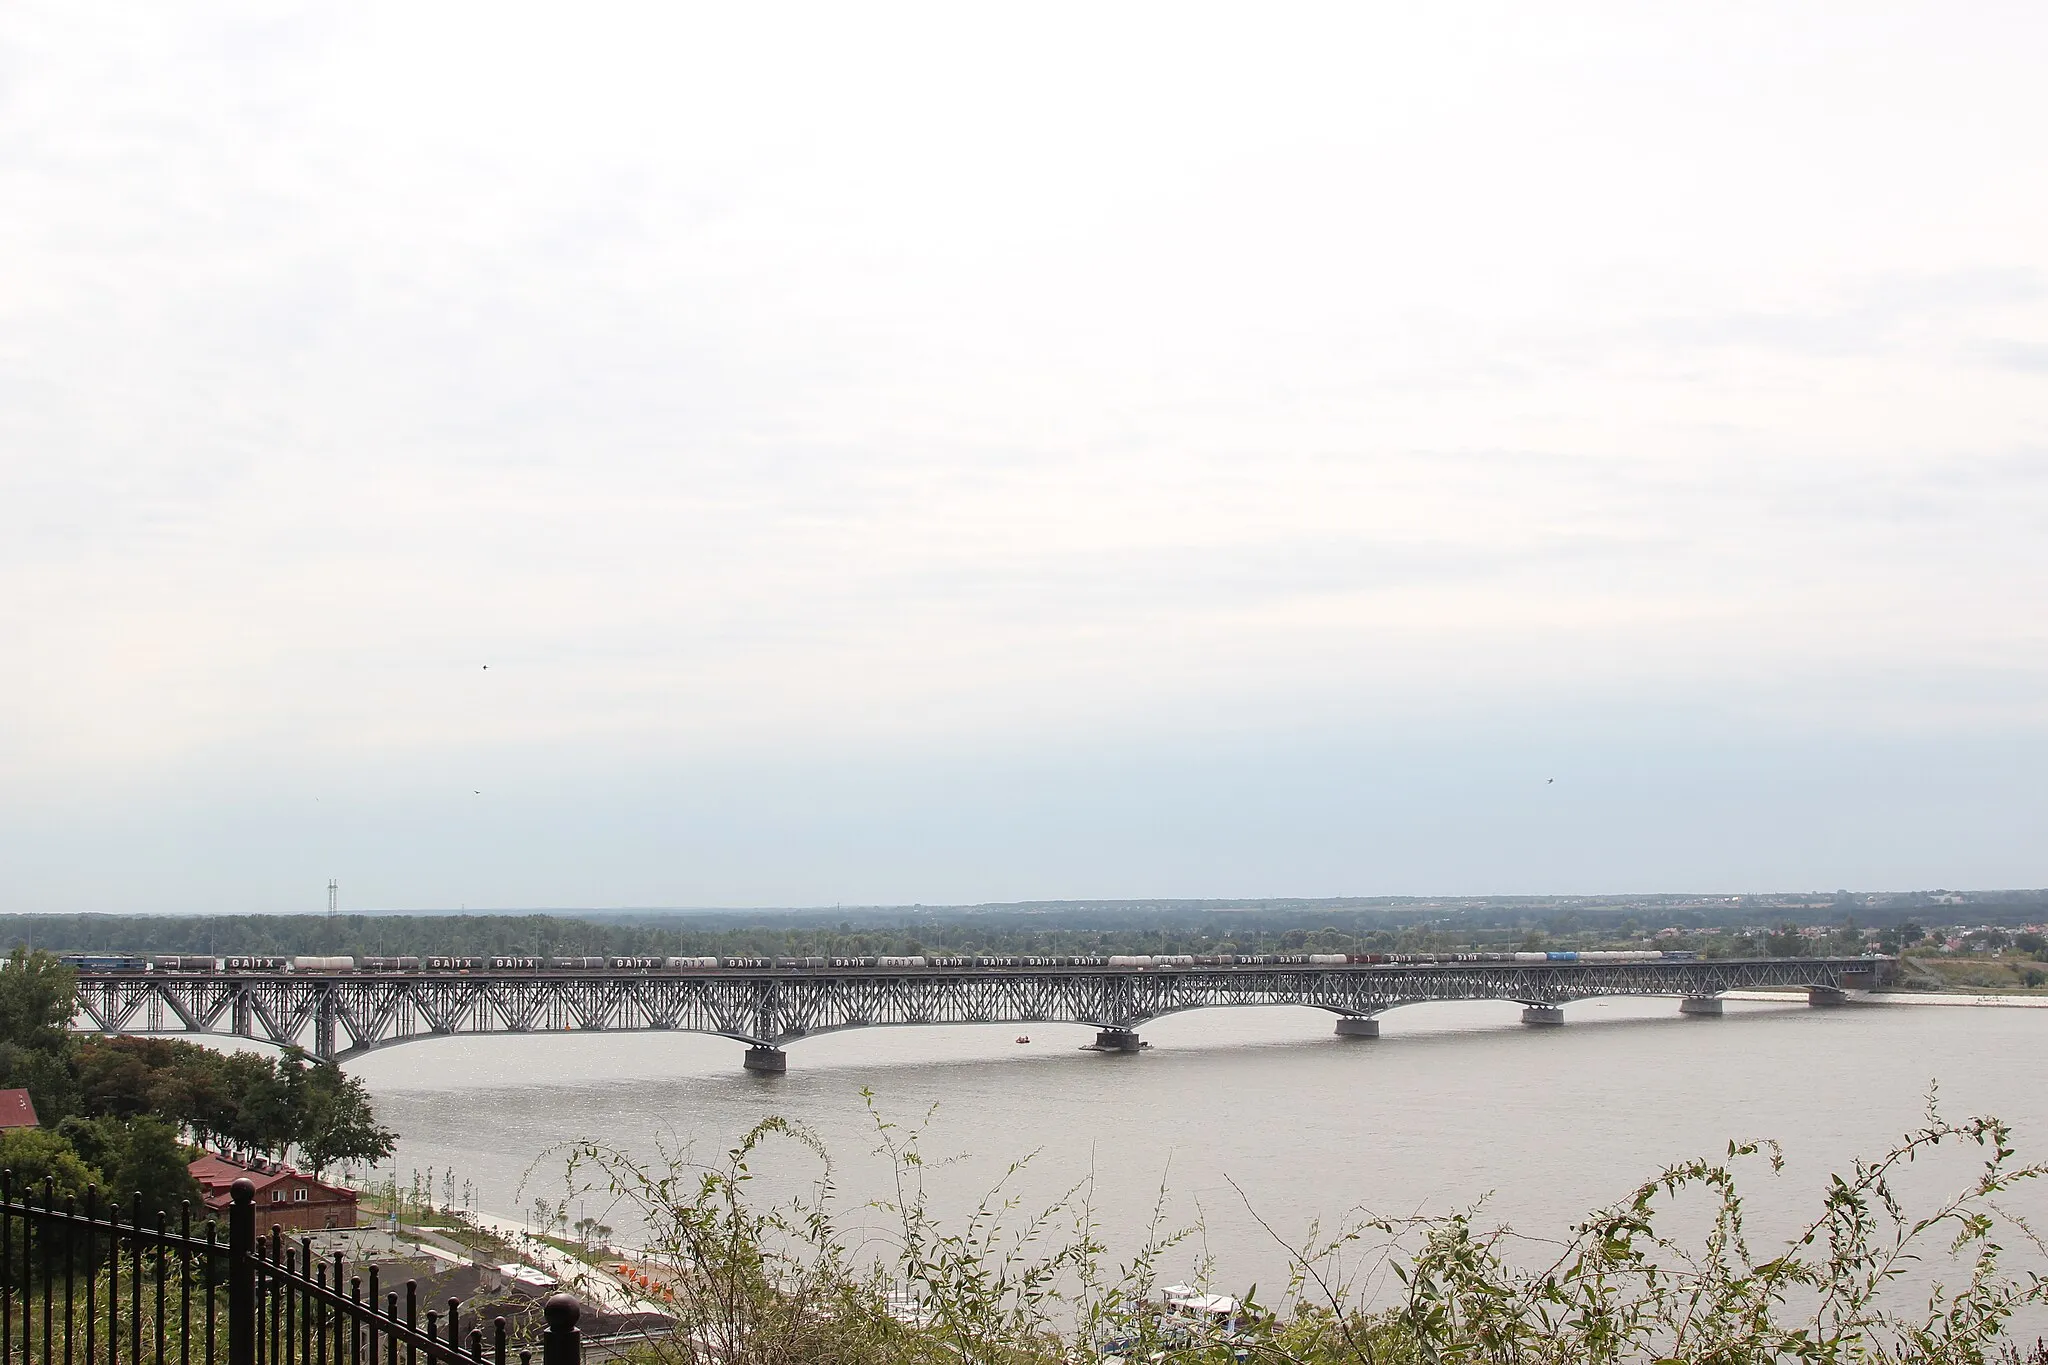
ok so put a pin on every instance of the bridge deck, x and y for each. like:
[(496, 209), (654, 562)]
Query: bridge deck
[(344, 1014)]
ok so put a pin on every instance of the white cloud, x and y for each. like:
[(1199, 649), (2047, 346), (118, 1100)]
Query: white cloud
[(746, 383)]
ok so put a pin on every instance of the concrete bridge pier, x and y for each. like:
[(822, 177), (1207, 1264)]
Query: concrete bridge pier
[(1118, 1040), (1826, 995), (1357, 1026), (1543, 1016), (766, 1061), (1701, 1006)]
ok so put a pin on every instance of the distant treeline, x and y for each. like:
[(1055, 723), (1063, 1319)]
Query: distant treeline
[(778, 934), (1074, 928)]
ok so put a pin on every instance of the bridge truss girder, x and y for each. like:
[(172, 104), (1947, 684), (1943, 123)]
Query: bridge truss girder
[(342, 1015)]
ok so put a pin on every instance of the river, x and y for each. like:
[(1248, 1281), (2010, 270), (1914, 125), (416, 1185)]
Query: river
[(1253, 1111)]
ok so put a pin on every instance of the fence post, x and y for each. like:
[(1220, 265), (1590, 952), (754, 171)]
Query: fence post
[(562, 1344), (242, 1274)]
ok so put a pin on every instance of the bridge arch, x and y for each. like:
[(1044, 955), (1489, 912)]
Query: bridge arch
[(346, 1015)]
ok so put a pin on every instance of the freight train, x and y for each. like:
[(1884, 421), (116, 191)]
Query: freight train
[(686, 966)]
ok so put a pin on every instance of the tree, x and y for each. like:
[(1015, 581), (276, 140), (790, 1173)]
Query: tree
[(33, 1154), (210, 1082), (113, 1080), (139, 1156), (38, 1000), (151, 1163), (1785, 941), (263, 1119), (336, 1122)]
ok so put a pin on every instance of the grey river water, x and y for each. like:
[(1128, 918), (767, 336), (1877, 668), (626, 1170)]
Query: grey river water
[(1452, 1103)]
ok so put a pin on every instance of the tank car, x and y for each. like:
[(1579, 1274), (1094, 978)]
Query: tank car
[(323, 964), (692, 964), (452, 964), (252, 964), (391, 964), (634, 964)]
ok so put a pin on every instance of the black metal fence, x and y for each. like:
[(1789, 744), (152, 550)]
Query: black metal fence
[(82, 1284)]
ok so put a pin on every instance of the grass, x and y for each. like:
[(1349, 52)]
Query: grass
[(2007, 973)]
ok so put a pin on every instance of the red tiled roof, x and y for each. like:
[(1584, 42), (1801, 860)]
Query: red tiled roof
[(215, 1171), (17, 1110), (216, 1176)]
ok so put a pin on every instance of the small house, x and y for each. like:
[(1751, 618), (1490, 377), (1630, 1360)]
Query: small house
[(285, 1198)]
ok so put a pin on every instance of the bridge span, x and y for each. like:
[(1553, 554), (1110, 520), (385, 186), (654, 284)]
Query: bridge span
[(339, 1015)]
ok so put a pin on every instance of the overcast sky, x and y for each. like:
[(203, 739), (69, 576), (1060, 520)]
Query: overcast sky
[(742, 455)]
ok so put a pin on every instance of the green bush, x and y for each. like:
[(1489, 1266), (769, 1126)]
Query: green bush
[(773, 1285)]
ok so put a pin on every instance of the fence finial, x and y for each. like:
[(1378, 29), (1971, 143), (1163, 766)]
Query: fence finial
[(563, 1344)]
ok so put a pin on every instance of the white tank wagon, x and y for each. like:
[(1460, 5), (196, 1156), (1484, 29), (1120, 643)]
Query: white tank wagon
[(181, 964)]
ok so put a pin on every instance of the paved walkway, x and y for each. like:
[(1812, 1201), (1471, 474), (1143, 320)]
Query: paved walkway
[(600, 1286)]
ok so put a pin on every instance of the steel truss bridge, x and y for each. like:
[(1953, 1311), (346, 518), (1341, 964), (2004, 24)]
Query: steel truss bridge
[(335, 1016)]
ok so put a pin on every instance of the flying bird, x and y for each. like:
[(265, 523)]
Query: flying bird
[(1548, 780)]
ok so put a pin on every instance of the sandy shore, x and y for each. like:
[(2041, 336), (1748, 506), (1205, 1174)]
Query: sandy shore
[(1888, 998)]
